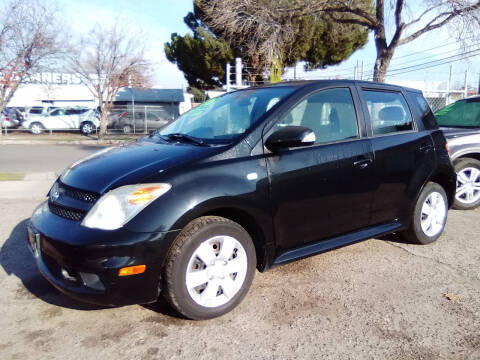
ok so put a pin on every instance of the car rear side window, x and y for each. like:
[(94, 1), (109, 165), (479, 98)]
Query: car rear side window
[(389, 112), (422, 110), (330, 114)]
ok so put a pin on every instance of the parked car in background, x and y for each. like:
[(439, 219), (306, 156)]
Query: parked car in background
[(460, 123), (83, 119), (10, 118), (144, 121), (253, 179)]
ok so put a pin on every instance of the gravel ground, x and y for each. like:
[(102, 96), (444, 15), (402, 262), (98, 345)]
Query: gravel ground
[(379, 299)]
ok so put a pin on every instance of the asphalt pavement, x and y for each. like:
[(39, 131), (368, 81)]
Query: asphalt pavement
[(41, 158)]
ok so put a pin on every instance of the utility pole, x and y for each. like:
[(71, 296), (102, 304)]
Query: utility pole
[(361, 76), (449, 85), (465, 95), (479, 83)]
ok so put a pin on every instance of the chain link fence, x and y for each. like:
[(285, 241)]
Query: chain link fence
[(440, 99), (122, 119), (140, 119)]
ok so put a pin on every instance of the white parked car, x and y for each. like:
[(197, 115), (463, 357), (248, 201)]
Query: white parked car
[(82, 119)]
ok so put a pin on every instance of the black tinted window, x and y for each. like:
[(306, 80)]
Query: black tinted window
[(36, 111), (422, 110), (330, 114), (389, 112)]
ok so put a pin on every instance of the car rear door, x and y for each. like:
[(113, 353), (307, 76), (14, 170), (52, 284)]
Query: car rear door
[(324, 190), (404, 153)]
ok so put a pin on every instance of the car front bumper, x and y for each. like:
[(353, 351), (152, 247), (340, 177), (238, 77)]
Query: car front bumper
[(83, 263)]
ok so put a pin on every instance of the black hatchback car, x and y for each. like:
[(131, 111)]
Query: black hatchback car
[(253, 179)]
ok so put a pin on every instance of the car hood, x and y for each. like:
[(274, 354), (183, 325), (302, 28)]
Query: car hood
[(451, 132), (129, 164)]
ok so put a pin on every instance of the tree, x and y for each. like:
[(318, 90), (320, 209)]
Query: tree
[(201, 57), (107, 60), (29, 41), (264, 33), (408, 23)]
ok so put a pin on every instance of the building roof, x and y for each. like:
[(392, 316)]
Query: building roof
[(150, 95)]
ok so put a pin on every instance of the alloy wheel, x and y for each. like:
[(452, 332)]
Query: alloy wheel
[(468, 185), (433, 215), (216, 271), (36, 129), (87, 128)]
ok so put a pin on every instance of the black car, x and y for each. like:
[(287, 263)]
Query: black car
[(460, 122), (253, 179)]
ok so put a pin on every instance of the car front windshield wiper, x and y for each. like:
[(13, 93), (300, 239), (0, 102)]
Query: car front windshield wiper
[(186, 138)]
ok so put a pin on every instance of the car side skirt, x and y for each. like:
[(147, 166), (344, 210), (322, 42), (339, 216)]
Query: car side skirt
[(336, 242)]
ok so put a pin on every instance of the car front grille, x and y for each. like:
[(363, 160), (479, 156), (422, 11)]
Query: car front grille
[(71, 214), (82, 195)]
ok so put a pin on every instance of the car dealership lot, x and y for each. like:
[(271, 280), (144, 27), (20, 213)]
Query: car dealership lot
[(376, 299)]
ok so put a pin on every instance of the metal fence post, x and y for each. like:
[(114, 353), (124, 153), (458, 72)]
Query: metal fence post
[(227, 76)]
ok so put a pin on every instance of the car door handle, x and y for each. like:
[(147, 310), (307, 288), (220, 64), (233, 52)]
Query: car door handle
[(426, 148), (363, 163)]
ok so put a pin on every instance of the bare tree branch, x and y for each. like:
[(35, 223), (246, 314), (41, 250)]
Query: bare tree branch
[(109, 59), (29, 41)]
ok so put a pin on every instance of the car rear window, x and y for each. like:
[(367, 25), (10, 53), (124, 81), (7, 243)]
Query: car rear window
[(389, 112)]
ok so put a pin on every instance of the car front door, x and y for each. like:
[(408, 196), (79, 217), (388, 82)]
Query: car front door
[(404, 154), (56, 120), (323, 190)]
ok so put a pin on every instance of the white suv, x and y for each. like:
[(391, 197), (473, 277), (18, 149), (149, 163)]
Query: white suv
[(83, 119)]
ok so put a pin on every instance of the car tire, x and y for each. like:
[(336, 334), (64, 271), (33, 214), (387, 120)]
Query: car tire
[(209, 269), (467, 195), (36, 128), (87, 127), (429, 215), (127, 129)]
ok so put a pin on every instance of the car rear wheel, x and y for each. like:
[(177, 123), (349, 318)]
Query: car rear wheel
[(87, 128), (467, 196), (36, 128), (210, 267), (429, 215)]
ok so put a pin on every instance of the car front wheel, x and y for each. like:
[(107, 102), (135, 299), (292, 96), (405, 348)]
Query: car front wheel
[(429, 216), (36, 128), (209, 268), (467, 196)]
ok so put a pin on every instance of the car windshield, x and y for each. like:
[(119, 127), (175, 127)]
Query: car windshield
[(223, 119), (464, 114)]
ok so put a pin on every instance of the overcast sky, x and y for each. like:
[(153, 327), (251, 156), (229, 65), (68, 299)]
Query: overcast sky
[(157, 19)]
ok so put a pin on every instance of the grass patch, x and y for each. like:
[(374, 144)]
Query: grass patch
[(10, 176)]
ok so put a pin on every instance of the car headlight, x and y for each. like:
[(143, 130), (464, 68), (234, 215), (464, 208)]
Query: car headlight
[(118, 206)]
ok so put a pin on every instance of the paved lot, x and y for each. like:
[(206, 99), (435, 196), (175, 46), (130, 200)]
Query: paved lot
[(41, 158), (380, 299)]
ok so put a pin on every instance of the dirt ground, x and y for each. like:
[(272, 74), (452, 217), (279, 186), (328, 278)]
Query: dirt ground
[(379, 299)]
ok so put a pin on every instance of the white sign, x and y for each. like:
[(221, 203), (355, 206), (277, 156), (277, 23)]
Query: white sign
[(53, 78)]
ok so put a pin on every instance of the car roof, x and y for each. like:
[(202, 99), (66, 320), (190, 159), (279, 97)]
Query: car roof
[(303, 83)]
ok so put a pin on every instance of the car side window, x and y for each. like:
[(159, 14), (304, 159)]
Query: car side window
[(57, 112), (421, 109), (330, 114), (389, 112)]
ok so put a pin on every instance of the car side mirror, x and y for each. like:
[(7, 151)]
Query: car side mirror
[(290, 137)]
